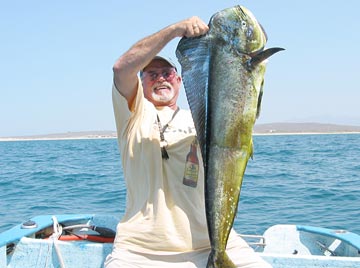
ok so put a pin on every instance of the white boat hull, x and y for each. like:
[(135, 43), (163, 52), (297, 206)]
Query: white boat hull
[(286, 246)]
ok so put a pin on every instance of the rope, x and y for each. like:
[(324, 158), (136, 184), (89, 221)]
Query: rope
[(55, 238)]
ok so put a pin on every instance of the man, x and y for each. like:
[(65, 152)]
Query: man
[(164, 224)]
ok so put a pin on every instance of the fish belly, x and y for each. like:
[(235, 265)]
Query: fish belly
[(232, 112), (222, 189)]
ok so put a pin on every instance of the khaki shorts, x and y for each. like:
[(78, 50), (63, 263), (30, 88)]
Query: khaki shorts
[(237, 249)]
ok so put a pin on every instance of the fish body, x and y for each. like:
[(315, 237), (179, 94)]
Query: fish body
[(223, 74)]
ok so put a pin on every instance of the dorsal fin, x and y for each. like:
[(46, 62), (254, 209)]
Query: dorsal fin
[(193, 55)]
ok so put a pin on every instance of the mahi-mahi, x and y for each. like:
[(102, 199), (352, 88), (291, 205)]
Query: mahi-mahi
[(223, 75)]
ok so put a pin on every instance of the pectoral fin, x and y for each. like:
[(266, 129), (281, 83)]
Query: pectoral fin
[(258, 109), (263, 55)]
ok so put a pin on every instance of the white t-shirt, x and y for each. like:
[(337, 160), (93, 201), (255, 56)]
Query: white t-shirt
[(162, 213)]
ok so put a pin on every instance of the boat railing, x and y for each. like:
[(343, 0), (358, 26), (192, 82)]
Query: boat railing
[(254, 240)]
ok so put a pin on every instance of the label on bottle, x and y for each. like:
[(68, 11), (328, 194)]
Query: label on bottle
[(191, 174)]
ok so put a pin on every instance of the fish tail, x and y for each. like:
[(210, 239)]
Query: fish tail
[(219, 259)]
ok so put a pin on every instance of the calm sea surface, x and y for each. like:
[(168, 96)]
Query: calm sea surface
[(293, 179)]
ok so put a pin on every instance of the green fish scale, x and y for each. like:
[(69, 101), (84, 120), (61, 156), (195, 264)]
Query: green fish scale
[(232, 107), (223, 74)]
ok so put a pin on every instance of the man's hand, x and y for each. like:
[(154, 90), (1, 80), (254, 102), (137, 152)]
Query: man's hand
[(191, 27)]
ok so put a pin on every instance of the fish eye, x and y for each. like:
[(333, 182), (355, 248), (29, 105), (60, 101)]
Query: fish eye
[(243, 24)]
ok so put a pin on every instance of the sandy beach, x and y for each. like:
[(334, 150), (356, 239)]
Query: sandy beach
[(260, 129)]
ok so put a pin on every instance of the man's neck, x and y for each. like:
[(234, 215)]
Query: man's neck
[(171, 106)]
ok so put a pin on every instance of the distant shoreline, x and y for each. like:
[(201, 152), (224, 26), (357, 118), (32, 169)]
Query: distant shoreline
[(101, 137), (259, 130), (54, 138), (65, 136), (12, 139), (304, 133)]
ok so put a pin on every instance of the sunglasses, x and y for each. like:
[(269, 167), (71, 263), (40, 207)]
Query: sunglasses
[(168, 74)]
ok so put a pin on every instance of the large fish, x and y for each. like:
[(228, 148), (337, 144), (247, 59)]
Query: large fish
[(223, 73)]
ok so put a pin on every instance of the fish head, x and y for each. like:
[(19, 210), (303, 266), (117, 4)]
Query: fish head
[(239, 27)]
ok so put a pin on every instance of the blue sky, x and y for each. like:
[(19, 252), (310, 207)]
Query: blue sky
[(56, 59)]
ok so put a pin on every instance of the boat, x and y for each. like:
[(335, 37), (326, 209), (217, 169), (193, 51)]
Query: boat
[(84, 240), (301, 246)]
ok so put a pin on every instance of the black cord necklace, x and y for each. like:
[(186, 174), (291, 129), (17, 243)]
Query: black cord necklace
[(163, 142)]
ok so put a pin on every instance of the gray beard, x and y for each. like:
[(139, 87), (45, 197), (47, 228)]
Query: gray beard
[(163, 97)]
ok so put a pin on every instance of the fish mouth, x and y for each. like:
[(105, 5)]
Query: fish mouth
[(263, 30)]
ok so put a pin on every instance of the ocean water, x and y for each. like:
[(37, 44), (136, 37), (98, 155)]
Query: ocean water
[(292, 179)]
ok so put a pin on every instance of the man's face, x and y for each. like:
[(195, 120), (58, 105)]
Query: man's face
[(161, 83)]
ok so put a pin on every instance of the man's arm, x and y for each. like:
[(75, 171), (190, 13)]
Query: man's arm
[(140, 54)]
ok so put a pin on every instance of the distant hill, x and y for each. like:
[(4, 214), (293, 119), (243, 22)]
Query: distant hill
[(302, 128), (272, 128), (66, 136)]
